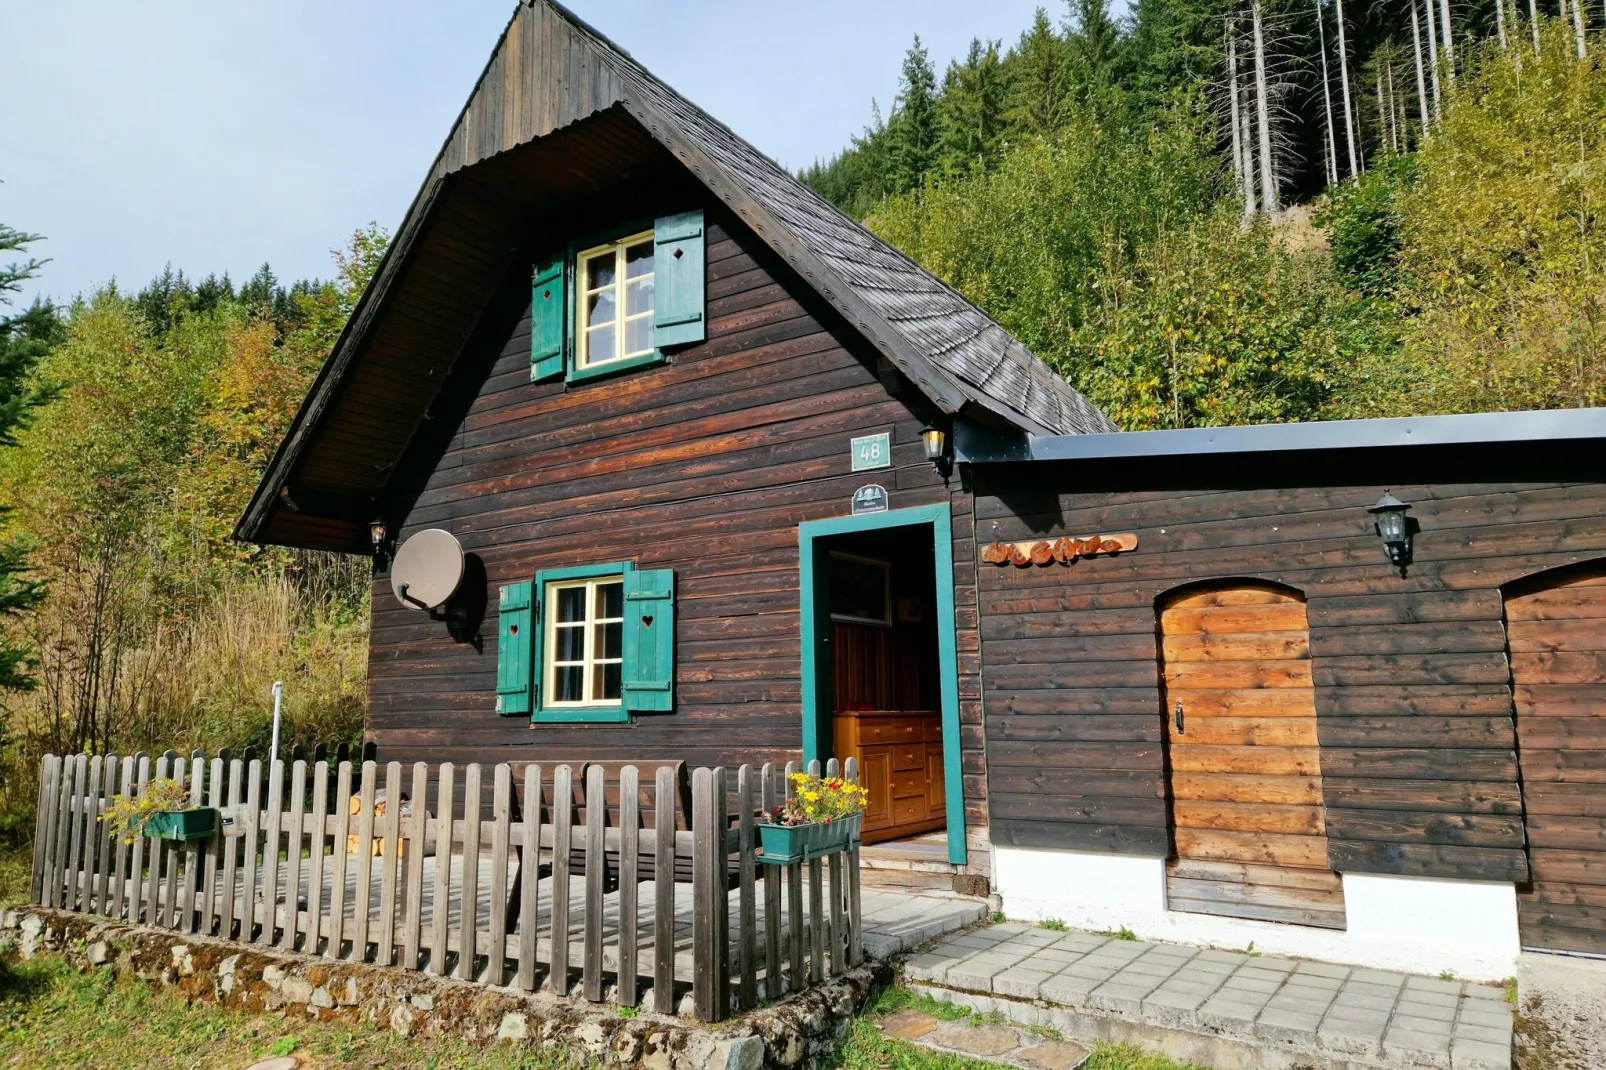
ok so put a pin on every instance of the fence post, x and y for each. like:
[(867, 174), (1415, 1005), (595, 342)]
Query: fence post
[(501, 816), (75, 814), (441, 896), (721, 897), (315, 866), (629, 862), (748, 918), (108, 842), (390, 852), (773, 876), (704, 982), (270, 851), (469, 912), (562, 824), (596, 877), (663, 885), (362, 899), (44, 829), (855, 937)]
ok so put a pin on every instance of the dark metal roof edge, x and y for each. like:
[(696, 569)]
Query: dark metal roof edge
[(1483, 428)]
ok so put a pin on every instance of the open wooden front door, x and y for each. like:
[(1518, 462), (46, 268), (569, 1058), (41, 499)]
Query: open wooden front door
[(1243, 759), (1557, 636)]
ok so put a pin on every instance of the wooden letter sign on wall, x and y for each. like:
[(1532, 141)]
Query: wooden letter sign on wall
[(1064, 551)]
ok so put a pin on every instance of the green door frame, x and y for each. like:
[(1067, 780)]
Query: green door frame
[(817, 670)]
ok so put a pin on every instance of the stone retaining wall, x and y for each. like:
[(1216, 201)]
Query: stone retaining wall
[(797, 1032)]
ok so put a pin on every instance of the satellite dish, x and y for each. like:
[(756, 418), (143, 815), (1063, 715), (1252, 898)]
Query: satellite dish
[(427, 569)]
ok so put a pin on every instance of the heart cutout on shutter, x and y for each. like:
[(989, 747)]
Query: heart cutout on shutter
[(646, 620)]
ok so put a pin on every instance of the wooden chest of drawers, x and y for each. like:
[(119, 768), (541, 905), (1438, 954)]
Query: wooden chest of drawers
[(900, 763)]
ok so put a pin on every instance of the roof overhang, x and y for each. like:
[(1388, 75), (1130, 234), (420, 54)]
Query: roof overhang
[(979, 445)]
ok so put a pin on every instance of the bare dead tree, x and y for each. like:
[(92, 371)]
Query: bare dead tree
[(1343, 81), (1421, 78), (1578, 28), (1327, 97), (1533, 23), (1500, 23), (1449, 42), (1240, 164), (1268, 173), (1433, 61)]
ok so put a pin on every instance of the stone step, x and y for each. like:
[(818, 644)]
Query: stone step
[(1217, 1008)]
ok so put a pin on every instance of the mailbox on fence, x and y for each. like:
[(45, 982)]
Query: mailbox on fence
[(231, 819), (197, 823)]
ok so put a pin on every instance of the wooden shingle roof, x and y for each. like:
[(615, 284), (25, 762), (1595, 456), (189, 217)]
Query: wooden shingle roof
[(980, 361), (557, 108)]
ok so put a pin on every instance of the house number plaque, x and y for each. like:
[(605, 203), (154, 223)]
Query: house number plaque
[(872, 451)]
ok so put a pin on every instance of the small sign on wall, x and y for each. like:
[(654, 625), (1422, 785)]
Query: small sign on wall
[(870, 498), (872, 451)]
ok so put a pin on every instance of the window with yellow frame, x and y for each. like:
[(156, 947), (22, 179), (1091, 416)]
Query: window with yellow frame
[(615, 306)]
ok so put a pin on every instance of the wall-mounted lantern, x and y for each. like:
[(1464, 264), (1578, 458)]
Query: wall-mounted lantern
[(1393, 528), (377, 535), (935, 442)]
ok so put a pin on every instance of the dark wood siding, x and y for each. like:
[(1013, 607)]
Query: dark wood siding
[(706, 465), (1411, 675)]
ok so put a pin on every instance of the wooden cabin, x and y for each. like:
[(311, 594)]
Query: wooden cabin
[(1265, 723), (634, 366), (738, 482)]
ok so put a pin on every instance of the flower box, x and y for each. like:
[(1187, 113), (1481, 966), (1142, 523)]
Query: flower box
[(195, 824), (785, 844)]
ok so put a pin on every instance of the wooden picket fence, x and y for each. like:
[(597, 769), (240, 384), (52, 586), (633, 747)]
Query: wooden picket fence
[(474, 888)]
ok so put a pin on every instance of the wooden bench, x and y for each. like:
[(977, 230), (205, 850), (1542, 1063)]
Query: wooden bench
[(646, 811)]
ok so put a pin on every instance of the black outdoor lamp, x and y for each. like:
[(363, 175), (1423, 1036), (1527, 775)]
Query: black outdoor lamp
[(1392, 528), (935, 442), (376, 535)]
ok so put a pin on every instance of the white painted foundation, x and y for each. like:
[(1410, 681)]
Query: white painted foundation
[(1415, 924)]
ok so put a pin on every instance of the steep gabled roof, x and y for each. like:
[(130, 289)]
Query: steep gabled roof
[(550, 77)]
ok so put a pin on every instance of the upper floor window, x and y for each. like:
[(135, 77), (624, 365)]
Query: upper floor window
[(616, 301)]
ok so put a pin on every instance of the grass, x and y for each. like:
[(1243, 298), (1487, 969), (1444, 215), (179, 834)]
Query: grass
[(867, 1049), (51, 1015), (16, 871), (1052, 925)]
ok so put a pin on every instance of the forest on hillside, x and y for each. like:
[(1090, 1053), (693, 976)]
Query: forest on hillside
[(1240, 211), (137, 426), (1208, 212)]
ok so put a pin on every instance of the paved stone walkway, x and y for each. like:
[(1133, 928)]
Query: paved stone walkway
[(1339, 1014), (989, 1041)]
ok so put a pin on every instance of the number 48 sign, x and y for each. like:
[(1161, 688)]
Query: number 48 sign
[(872, 451)]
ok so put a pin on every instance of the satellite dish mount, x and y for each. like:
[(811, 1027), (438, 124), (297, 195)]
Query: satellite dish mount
[(427, 571)]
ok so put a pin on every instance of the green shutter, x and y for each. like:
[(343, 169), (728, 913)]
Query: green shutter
[(649, 655), (678, 270), (513, 672), (547, 319)]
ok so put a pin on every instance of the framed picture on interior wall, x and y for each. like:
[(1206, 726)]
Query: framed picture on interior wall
[(861, 590)]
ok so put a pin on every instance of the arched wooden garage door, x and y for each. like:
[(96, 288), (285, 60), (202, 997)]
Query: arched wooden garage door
[(1244, 764), (1557, 636)]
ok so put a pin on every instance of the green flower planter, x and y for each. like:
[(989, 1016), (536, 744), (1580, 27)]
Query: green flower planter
[(196, 824), (785, 844)]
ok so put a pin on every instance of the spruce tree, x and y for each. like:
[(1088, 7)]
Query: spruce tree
[(971, 110), (1040, 78), (913, 129), (24, 340)]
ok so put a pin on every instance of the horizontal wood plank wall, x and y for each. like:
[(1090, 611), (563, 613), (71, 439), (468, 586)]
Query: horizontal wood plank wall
[(1413, 691), (706, 466)]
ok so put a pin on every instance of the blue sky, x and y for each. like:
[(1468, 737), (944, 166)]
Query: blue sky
[(216, 135)]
